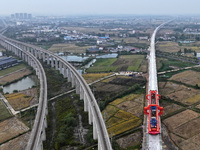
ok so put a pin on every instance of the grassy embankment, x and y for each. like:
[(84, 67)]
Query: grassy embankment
[(4, 112)]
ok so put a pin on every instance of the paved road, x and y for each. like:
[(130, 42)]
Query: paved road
[(9, 107), (174, 70)]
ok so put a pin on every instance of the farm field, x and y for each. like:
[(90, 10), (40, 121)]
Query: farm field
[(131, 40), (144, 66), (129, 140), (184, 129), (67, 47), (16, 144), (103, 65), (11, 69), (167, 46), (4, 112), (169, 64), (123, 63), (179, 92), (91, 77), (11, 128), (189, 77), (14, 76), (19, 100), (169, 108), (120, 115)]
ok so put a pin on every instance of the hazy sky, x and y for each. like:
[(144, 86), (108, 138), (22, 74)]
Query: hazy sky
[(76, 7)]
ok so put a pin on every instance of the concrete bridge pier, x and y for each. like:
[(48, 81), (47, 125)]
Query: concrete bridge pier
[(73, 80), (56, 64), (85, 99), (43, 57), (61, 68), (90, 113), (77, 87), (94, 129), (48, 61), (69, 76), (81, 93), (64, 71), (40, 54), (26, 58), (35, 53), (32, 51), (29, 61), (52, 62)]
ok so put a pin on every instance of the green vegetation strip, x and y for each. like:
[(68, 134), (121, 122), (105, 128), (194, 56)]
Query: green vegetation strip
[(103, 65), (12, 69), (166, 63), (4, 112)]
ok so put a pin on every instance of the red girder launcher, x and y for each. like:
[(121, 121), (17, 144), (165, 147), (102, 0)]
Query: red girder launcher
[(154, 111)]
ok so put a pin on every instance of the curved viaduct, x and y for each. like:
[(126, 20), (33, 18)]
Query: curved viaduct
[(82, 88), (38, 132)]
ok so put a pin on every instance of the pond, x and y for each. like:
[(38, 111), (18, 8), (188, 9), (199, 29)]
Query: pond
[(74, 58), (22, 84)]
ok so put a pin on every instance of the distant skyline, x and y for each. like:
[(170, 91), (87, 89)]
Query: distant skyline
[(98, 7)]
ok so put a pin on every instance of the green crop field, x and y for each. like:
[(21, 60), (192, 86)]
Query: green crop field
[(4, 112), (103, 65), (12, 69), (123, 63)]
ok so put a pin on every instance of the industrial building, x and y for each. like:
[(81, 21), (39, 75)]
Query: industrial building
[(6, 62)]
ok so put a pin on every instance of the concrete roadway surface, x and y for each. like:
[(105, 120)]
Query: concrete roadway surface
[(153, 142)]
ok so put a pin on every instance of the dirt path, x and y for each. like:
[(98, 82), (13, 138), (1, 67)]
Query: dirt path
[(53, 121), (80, 132)]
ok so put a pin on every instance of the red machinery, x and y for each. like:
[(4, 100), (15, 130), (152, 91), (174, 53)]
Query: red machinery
[(154, 111)]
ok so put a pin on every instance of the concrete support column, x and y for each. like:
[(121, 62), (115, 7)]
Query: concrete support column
[(36, 71), (94, 129), (69, 76), (67, 70), (23, 56), (15, 50), (90, 114), (43, 134), (64, 71), (85, 102), (40, 145), (28, 61), (56, 64), (52, 62), (32, 51), (40, 54), (81, 93), (77, 87), (45, 122), (73, 80), (61, 67), (35, 53), (48, 62), (26, 58), (43, 56)]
